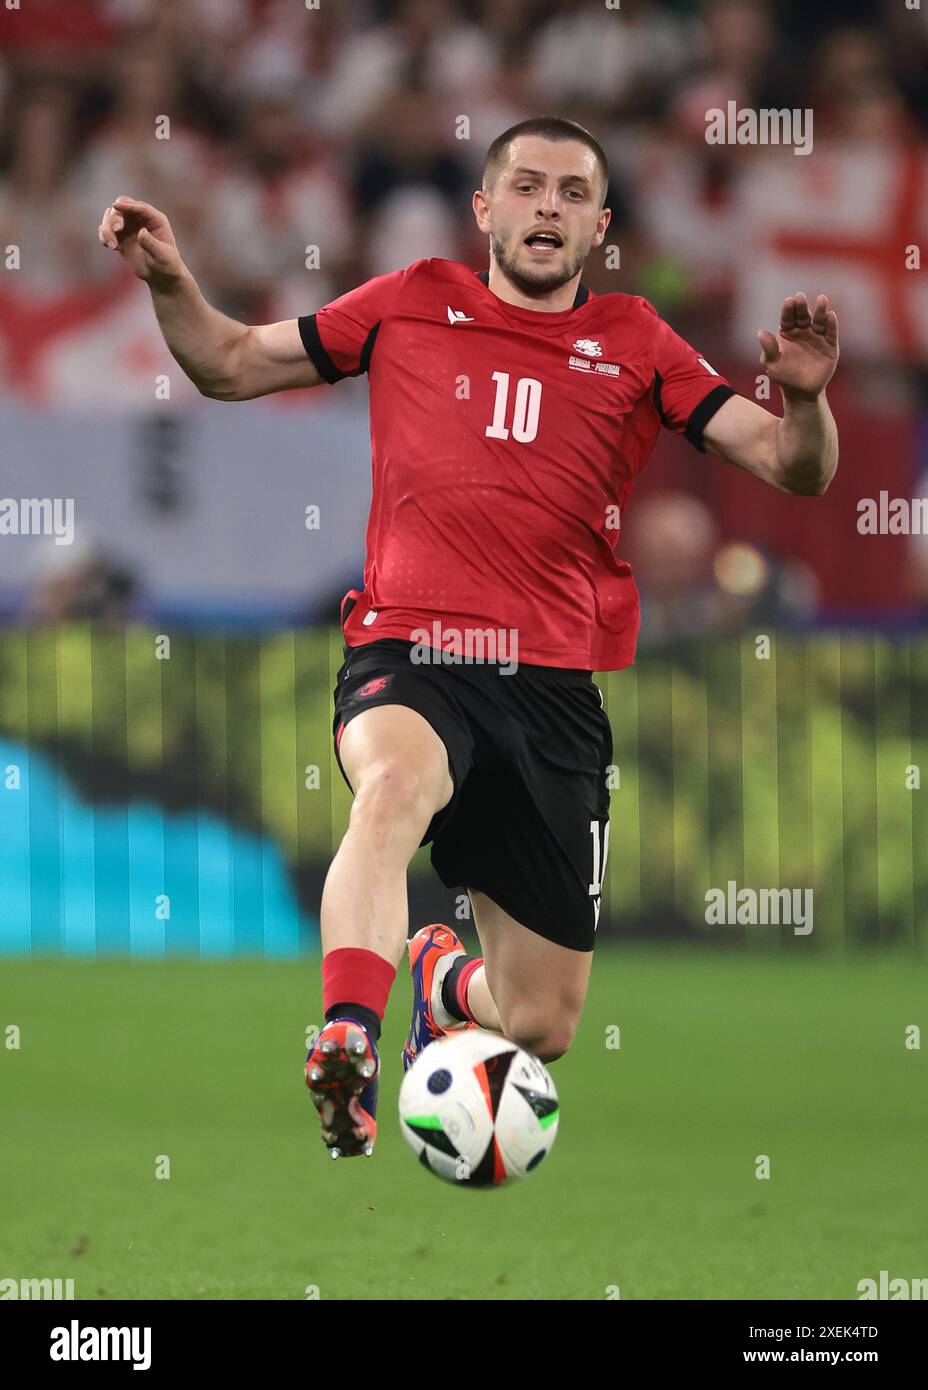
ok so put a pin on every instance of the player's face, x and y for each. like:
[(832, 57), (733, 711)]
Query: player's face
[(551, 187)]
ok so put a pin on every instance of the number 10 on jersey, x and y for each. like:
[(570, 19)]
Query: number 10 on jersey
[(525, 409)]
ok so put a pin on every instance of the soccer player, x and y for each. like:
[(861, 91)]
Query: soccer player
[(511, 411)]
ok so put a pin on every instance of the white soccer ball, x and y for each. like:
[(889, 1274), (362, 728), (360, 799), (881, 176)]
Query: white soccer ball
[(478, 1110)]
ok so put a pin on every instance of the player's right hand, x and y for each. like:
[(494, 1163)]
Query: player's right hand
[(142, 235)]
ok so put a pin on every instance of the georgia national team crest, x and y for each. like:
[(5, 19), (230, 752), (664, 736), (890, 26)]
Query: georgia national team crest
[(589, 347)]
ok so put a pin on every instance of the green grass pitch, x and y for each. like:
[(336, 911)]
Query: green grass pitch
[(651, 1188)]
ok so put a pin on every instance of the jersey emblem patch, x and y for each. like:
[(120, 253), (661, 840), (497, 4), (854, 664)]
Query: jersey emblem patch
[(374, 686)]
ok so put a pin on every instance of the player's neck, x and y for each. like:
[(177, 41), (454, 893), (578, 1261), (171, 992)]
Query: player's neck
[(553, 302)]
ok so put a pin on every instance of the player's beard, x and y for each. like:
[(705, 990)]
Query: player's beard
[(535, 281)]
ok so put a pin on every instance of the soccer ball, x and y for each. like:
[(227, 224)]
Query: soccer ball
[(478, 1110)]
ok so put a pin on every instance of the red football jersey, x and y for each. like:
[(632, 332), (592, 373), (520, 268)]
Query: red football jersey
[(504, 445)]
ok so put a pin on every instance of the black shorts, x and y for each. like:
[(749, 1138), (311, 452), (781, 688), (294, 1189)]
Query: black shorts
[(527, 823)]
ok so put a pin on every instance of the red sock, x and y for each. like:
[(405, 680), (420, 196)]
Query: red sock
[(460, 986), (349, 972)]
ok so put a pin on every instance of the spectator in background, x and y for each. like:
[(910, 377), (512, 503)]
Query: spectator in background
[(171, 165), (40, 212), (907, 32), (412, 223), (623, 67), (430, 37), (288, 52), (502, 98), (82, 583), (856, 98), (404, 140), (52, 284), (410, 179), (509, 24), (743, 52), (671, 543), (690, 587), (278, 195), (688, 187)]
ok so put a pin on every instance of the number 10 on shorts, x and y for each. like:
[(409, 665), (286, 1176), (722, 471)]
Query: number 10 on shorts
[(600, 833)]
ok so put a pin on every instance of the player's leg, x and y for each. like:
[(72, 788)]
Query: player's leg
[(398, 770), (525, 986), (531, 828), (397, 767)]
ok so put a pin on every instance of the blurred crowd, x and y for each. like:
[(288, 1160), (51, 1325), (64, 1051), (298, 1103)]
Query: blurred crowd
[(338, 124), (266, 128)]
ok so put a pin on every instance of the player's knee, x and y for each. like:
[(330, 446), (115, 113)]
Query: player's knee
[(547, 1038), (394, 796)]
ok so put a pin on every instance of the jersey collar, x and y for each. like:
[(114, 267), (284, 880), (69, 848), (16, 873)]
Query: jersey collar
[(580, 297)]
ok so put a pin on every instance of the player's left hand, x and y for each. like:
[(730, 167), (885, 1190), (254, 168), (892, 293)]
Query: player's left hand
[(801, 357)]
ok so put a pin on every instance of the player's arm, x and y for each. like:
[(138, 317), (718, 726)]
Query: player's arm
[(797, 453), (226, 360)]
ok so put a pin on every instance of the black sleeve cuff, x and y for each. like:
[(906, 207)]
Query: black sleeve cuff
[(704, 413), (315, 351)]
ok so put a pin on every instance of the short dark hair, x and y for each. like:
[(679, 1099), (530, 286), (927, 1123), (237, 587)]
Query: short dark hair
[(549, 128)]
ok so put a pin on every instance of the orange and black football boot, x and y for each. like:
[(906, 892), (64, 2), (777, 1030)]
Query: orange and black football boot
[(432, 952), (342, 1073)]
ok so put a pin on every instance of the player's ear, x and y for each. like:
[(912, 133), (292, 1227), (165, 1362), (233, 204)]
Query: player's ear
[(605, 217), (481, 208)]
